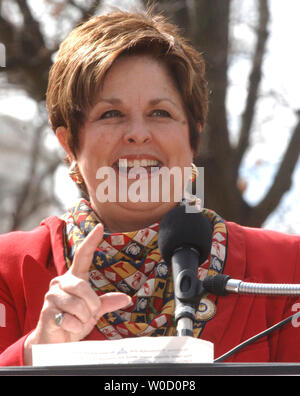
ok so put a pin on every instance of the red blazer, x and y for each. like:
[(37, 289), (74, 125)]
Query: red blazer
[(29, 260)]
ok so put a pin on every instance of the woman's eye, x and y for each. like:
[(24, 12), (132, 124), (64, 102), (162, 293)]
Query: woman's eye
[(161, 113), (111, 114)]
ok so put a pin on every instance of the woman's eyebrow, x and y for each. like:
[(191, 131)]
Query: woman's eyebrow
[(95, 107), (109, 100), (154, 102)]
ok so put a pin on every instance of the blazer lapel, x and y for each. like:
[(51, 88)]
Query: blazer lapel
[(36, 281)]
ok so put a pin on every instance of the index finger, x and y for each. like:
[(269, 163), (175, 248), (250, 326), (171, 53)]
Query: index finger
[(85, 252)]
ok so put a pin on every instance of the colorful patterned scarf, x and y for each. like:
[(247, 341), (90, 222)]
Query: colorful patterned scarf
[(130, 262)]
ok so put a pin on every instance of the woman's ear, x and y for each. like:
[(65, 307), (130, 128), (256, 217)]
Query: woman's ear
[(62, 136)]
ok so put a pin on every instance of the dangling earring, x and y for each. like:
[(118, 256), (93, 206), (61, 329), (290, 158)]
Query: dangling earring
[(195, 172), (75, 174), (191, 192)]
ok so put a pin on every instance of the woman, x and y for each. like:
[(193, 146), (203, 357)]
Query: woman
[(127, 89)]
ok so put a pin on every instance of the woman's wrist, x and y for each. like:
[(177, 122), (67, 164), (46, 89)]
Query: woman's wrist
[(28, 348)]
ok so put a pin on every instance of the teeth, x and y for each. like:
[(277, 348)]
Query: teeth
[(137, 163)]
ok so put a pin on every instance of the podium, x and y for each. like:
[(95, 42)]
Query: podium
[(158, 370)]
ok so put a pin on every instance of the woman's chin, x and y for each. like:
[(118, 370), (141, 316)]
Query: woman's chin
[(146, 206), (130, 215)]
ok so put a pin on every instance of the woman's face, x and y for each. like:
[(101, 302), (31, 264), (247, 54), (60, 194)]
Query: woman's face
[(138, 120)]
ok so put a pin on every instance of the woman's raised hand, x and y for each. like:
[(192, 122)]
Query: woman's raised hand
[(72, 295)]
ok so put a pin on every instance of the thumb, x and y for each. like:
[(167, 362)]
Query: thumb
[(85, 252)]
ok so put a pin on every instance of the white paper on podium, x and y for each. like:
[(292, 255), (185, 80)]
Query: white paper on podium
[(124, 351)]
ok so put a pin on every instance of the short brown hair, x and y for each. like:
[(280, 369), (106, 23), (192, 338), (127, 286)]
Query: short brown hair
[(89, 51)]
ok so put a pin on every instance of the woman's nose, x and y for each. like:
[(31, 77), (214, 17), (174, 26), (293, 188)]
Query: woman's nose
[(137, 132)]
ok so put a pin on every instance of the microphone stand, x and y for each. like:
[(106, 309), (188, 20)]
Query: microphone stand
[(188, 289), (221, 285)]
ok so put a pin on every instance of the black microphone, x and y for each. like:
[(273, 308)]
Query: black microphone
[(184, 240)]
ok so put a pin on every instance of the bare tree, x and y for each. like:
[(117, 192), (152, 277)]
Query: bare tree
[(32, 194), (206, 23), (29, 53), (29, 56)]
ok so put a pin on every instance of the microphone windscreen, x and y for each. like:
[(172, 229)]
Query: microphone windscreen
[(181, 229)]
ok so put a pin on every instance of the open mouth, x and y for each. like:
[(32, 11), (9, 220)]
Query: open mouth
[(137, 166)]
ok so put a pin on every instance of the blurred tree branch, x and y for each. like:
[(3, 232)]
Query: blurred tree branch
[(28, 57), (31, 194), (206, 24), (254, 83), (282, 181), (27, 66)]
